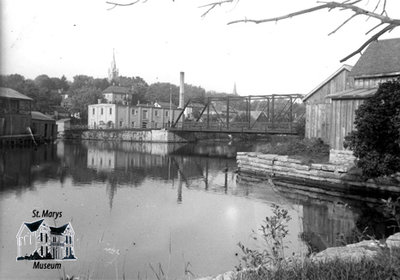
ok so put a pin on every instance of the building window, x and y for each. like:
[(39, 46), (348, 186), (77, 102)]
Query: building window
[(144, 114), (133, 124), (94, 110), (102, 111), (136, 112), (110, 111), (120, 123), (133, 111), (156, 113), (166, 113)]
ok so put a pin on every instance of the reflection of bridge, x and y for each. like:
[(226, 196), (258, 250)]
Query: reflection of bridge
[(268, 114)]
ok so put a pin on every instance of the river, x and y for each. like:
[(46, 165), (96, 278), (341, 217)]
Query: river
[(142, 210)]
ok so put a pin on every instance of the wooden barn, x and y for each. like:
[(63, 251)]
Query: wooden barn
[(318, 107), (331, 112)]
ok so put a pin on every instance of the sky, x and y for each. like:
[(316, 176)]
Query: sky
[(160, 38)]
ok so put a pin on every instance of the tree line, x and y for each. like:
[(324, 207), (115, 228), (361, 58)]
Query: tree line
[(84, 90)]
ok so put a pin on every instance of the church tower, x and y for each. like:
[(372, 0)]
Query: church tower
[(113, 72)]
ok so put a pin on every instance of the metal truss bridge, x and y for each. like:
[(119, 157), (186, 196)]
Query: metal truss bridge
[(254, 114)]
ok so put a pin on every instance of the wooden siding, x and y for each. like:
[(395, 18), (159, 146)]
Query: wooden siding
[(342, 121), (318, 121), (318, 107)]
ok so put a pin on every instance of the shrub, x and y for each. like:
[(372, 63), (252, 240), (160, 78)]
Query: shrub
[(272, 233), (376, 140)]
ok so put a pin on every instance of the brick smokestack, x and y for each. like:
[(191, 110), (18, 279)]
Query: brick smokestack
[(182, 91)]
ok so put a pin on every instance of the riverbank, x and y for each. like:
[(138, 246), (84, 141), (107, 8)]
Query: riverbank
[(368, 259), (332, 178)]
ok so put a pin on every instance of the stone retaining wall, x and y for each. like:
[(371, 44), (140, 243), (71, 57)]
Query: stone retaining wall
[(270, 166), (341, 156), (157, 136)]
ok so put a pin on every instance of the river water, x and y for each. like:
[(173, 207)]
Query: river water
[(142, 210)]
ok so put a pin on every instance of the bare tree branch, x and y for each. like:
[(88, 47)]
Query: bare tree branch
[(115, 4), (211, 6), (388, 28), (383, 17), (340, 26)]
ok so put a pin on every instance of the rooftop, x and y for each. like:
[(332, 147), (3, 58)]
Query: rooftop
[(58, 230), (34, 226), (164, 105), (381, 58), (116, 89), (40, 116), (337, 72), (361, 93), (13, 94)]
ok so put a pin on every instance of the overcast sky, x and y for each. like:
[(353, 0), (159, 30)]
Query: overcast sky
[(158, 39)]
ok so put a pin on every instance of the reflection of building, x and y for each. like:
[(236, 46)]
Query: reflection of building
[(328, 225), (37, 240)]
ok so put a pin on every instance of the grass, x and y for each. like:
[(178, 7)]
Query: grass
[(309, 150), (385, 266)]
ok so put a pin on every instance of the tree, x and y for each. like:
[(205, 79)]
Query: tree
[(82, 98), (355, 7), (376, 140), (161, 92), (137, 86)]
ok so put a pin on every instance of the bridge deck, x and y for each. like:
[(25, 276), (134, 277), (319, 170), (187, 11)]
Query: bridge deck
[(266, 128)]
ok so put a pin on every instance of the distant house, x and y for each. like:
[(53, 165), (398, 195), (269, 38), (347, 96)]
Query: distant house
[(331, 113), (63, 125), (37, 240), (15, 112), (193, 110), (116, 95), (106, 115), (44, 126)]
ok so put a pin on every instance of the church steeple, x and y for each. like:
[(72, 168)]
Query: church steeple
[(234, 89), (113, 71)]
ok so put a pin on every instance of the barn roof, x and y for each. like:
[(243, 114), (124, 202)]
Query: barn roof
[(360, 93), (40, 116), (58, 230), (12, 94), (337, 72), (116, 89), (381, 58)]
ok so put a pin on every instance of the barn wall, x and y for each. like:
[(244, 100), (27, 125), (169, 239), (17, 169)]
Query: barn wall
[(318, 107), (342, 121)]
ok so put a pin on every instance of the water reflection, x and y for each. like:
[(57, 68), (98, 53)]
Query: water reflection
[(132, 204)]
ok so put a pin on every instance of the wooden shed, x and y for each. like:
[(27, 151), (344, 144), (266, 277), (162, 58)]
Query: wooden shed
[(44, 126), (379, 63), (15, 112), (318, 107)]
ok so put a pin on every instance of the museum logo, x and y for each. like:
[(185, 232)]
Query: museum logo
[(38, 241)]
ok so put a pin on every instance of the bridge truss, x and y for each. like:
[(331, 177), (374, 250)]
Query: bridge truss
[(271, 114)]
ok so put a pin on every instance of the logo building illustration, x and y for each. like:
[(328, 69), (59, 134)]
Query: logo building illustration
[(39, 241)]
